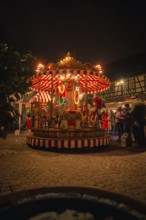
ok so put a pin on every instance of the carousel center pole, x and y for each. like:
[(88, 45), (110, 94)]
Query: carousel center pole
[(51, 109), (86, 110), (39, 108)]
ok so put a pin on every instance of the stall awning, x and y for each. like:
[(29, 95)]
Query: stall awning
[(41, 97)]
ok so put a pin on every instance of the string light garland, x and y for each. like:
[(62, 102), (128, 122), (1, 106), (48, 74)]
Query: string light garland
[(61, 89), (76, 96)]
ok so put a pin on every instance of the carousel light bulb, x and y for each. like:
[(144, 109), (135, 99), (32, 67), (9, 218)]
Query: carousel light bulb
[(73, 77), (81, 96), (68, 75), (98, 66), (62, 77), (40, 67)]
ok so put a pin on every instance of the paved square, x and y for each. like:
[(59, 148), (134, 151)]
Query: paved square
[(115, 169)]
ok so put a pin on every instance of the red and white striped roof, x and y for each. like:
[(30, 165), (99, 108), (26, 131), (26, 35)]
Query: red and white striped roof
[(89, 78), (41, 97)]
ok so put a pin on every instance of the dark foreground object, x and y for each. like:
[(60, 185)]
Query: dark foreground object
[(70, 203)]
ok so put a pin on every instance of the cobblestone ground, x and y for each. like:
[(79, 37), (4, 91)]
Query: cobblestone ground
[(114, 168)]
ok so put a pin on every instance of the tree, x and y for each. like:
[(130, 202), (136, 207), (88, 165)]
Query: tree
[(15, 71)]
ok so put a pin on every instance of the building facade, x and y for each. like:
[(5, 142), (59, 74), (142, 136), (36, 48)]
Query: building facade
[(125, 89)]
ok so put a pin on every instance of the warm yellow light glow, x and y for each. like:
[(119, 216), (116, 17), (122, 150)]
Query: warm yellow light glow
[(40, 67), (66, 59), (76, 96), (68, 75), (72, 77), (98, 67), (75, 77), (62, 77), (61, 89), (119, 82)]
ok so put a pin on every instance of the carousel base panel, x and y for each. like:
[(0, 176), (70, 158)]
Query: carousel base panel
[(68, 143)]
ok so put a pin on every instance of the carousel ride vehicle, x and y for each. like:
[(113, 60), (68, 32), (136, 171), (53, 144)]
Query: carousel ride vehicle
[(66, 107)]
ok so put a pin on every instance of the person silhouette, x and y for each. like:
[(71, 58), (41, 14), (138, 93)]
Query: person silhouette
[(138, 111)]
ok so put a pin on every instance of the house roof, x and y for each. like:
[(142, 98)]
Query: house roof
[(127, 67)]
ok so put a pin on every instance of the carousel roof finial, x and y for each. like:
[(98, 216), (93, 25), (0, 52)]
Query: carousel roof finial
[(68, 54)]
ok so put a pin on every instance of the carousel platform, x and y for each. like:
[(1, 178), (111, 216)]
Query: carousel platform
[(67, 139)]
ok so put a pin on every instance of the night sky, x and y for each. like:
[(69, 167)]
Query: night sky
[(93, 31)]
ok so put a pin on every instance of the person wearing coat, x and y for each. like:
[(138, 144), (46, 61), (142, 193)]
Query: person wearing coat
[(138, 111), (104, 118)]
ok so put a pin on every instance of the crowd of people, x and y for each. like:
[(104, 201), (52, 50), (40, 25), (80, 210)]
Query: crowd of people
[(129, 119)]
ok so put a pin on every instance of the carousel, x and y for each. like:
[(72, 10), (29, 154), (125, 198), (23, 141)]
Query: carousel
[(65, 111)]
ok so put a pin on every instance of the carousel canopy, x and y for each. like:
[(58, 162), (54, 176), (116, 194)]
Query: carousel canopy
[(41, 97), (89, 78)]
